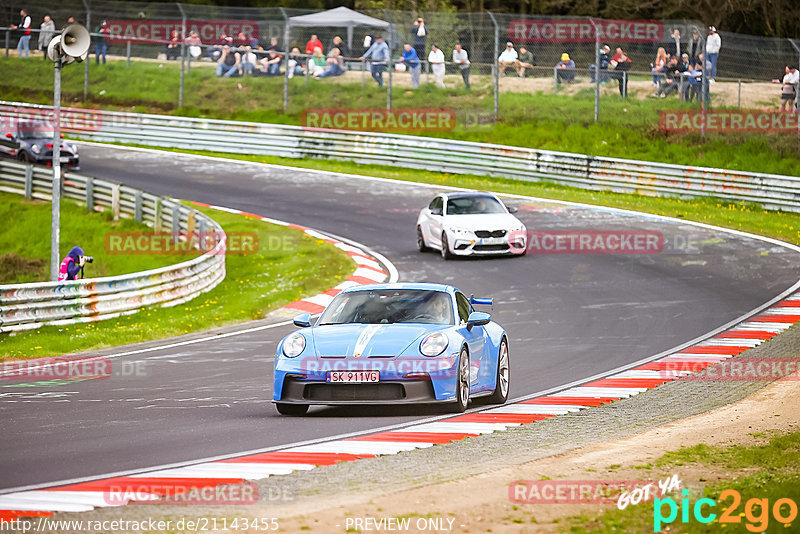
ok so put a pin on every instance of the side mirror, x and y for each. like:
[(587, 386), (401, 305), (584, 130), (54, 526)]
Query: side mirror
[(512, 209), (477, 318), (303, 320), (10, 135), (437, 211)]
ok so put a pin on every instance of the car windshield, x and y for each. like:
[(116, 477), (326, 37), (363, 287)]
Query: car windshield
[(33, 131), (474, 205), (387, 306)]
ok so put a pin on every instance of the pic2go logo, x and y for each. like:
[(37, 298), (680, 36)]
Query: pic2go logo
[(756, 511)]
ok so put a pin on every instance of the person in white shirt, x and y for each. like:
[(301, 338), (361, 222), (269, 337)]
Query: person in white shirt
[(789, 87), (436, 59), (713, 44), (461, 59), (508, 58), (25, 39)]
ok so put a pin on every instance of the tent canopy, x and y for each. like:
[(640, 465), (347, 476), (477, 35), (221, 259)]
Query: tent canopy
[(339, 17)]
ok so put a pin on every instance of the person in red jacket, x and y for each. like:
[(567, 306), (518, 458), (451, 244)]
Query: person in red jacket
[(312, 44)]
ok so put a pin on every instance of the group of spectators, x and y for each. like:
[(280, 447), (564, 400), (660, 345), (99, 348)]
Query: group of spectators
[(47, 30)]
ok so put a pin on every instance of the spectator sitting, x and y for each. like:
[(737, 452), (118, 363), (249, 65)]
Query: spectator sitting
[(250, 60), (658, 66), (621, 64), (337, 42), (294, 65), (789, 83), (242, 40), (173, 47), (508, 58), (605, 58), (195, 45), (271, 64), (565, 69), (526, 61), (335, 64), (671, 71), (317, 63), (215, 52), (379, 53), (694, 77), (312, 44), (229, 62), (411, 59)]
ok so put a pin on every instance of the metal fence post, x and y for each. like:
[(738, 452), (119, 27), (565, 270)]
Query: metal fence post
[(8, 41), (157, 222), (90, 194), (495, 67), (555, 80), (797, 96), (596, 69), (86, 63), (137, 206), (183, 52), (128, 53), (624, 85), (389, 84), (28, 181), (286, 36), (176, 223), (115, 191), (739, 101)]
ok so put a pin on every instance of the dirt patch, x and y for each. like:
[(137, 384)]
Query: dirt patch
[(15, 267), (481, 503)]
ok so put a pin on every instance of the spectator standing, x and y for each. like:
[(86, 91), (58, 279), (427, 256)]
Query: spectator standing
[(789, 83), (694, 47), (48, 28), (195, 45), (674, 46), (508, 58), (229, 61), (526, 61), (713, 44), (72, 265), (25, 39), (461, 58), (313, 43), (420, 33), (335, 64), (100, 38), (436, 59), (379, 53), (368, 40), (621, 64), (565, 69), (411, 60), (605, 58)]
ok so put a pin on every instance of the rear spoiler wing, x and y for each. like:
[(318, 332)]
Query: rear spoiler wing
[(483, 301)]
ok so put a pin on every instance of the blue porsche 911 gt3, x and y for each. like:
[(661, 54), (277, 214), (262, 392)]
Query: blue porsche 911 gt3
[(393, 343)]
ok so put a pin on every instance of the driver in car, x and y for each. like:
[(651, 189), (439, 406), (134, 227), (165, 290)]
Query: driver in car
[(440, 310)]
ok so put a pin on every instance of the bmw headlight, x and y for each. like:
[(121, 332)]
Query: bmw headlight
[(433, 345), (36, 149), (294, 345), (461, 231)]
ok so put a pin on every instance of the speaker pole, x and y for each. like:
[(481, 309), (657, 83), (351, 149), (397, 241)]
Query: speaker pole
[(56, 218)]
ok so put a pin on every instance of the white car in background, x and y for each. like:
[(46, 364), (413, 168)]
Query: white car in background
[(470, 223)]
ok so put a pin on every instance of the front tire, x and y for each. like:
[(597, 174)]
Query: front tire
[(503, 376), (24, 157), (421, 246), (291, 409), (462, 382), (446, 254)]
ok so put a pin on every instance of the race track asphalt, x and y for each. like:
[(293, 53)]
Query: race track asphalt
[(569, 316)]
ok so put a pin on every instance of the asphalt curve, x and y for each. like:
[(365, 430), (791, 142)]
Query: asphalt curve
[(569, 316)]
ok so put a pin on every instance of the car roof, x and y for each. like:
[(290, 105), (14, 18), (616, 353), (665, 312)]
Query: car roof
[(415, 286), (467, 194)]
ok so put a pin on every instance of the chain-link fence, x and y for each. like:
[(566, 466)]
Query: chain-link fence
[(549, 55)]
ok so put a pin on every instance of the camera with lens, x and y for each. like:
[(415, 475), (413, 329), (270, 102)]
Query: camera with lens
[(88, 259)]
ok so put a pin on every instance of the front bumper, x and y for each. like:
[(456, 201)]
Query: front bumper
[(71, 162), (473, 246)]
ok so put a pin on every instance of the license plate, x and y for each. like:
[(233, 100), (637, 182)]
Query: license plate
[(353, 376), (491, 241), (64, 159)]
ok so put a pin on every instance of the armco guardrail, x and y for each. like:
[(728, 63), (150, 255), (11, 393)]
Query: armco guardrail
[(29, 306), (590, 172)]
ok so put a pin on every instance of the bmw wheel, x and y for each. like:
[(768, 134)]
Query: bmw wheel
[(500, 394), (421, 246), (462, 382), (291, 409), (446, 254)]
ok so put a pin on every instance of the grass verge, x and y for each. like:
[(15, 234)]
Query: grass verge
[(761, 474), (537, 119), (741, 216), (288, 265), (25, 242)]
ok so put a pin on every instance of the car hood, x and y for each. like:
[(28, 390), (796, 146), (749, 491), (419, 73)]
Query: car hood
[(487, 221), (368, 340)]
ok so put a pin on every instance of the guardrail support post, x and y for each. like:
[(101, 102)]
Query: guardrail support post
[(28, 181), (8, 40), (176, 223), (555, 80), (190, 226), (157, 217), (90, 194), (202, 238), (137, 206), (128, 54), (739, 101), (115, 201), (624, 85)]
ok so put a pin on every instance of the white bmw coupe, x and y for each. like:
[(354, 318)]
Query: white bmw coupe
[(470, 223)]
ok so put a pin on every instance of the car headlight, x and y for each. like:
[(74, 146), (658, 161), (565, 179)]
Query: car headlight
[(294, 345), (461, 231), (36, 149), (433, 345)]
